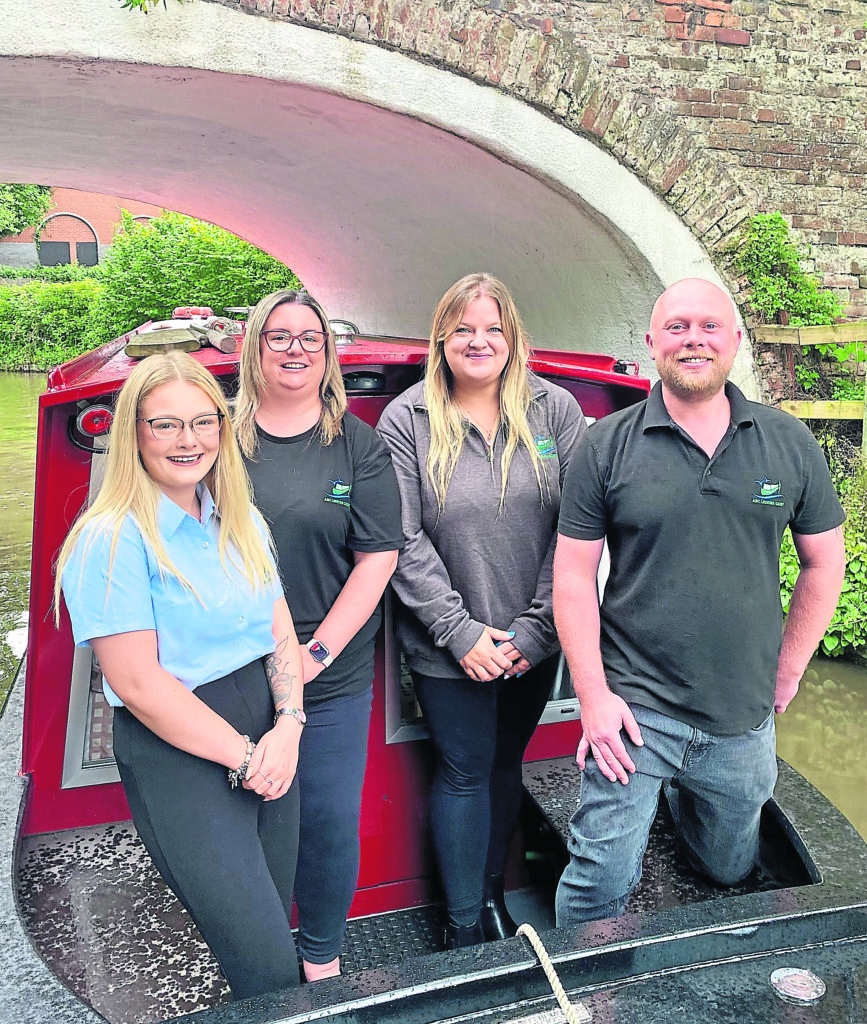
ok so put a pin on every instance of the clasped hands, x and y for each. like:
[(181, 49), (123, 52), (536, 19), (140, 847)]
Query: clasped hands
[(494, 655), (275, 760)]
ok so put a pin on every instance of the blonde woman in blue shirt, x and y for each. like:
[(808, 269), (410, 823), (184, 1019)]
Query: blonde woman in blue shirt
[(169, 577)]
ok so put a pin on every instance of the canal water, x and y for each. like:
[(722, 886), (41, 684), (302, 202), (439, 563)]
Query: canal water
[(823, 734), (18, 411)]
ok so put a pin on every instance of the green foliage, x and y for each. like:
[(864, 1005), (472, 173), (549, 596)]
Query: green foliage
[(848, 629), (838, 352), (22, 206), (176, 261), (63, 272), (43, 324), (141, 5), (848, 389), (807, 376), (771, 260)]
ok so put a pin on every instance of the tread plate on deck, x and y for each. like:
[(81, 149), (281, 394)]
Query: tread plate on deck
[(555, 786)]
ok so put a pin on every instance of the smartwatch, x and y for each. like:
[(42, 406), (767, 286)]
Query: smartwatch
[(319, 652)]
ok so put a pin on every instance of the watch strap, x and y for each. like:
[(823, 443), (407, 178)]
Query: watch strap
[(295, 713), (327, 660)]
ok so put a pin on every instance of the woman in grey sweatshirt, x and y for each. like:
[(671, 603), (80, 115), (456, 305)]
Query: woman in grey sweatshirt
[(480, 449)]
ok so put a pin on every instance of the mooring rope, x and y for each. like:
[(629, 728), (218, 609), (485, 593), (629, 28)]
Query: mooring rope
[(574, 1014)]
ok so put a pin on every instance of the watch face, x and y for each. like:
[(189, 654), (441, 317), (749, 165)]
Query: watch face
[(318, 650)]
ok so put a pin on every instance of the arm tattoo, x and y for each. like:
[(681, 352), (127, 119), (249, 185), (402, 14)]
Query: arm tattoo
[(280, 679)]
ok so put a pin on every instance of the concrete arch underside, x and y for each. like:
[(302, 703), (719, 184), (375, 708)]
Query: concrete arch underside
[(377, 178)]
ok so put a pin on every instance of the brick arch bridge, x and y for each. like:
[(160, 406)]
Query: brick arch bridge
[(724, 108), (589, 152)]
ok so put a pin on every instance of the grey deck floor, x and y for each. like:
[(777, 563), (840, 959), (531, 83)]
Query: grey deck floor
[(99, 914)]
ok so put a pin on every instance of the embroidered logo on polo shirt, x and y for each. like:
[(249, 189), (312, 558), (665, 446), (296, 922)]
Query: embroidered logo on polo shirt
[(769, 493), (340, 493), (545, 446)]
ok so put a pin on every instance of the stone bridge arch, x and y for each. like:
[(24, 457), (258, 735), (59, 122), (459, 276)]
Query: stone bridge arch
[(383, 148)]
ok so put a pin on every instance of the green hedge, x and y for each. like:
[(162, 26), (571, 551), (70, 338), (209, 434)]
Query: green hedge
[(152, 268), (847, 632), (44, 324), (174, 260), (64, 272)]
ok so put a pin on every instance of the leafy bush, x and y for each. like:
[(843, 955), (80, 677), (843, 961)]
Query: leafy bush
[(63, 272), (176, 261), (44, 324), (22, 206), (771, 260), (848, 389), (140, 5), (848, 629)]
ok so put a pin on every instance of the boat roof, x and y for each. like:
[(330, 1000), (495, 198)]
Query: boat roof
[(103, 370)]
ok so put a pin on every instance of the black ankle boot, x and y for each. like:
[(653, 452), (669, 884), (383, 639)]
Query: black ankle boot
[(459, 936), (495, 919)]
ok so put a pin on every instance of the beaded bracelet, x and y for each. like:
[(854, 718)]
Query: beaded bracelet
[(237, 775)]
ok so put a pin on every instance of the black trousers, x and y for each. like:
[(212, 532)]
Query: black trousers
[(480, 732), (227, 855), (330, 774)]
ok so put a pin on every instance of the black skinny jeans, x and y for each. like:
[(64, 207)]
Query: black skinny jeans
[(480, 732), (330, 776), (227, 855)]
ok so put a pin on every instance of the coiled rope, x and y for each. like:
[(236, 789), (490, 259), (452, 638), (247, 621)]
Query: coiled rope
[(574, 1014)]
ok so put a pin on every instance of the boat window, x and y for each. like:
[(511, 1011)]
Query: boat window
[(88, 757), (403, 718)]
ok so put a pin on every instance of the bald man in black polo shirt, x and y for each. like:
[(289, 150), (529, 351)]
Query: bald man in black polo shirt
[(680, 671)]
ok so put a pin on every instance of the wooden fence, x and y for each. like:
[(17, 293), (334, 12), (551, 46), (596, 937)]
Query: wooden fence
[(836, 334)]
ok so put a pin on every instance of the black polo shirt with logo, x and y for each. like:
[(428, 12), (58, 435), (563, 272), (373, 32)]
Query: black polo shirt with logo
[(323, 503), (691, 620)]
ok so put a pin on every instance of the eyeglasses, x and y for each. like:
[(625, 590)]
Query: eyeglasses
[(168, 428), (282, 341)]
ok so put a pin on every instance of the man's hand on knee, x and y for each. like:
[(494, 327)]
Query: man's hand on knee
[(603, 717)]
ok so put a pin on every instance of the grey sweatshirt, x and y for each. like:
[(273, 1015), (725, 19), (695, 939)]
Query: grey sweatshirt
[(472, 564)]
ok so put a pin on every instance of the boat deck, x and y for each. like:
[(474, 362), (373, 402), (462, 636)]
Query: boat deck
[(107, 925)]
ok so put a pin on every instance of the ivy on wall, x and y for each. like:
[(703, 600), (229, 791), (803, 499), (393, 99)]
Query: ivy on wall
[(780, 288), (141, 5), (22, 206)]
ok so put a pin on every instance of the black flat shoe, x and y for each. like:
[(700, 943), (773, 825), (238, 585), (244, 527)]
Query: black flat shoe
[(459, 936)]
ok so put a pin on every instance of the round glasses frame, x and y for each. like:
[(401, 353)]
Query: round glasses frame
[(171, 427), (282, 341)]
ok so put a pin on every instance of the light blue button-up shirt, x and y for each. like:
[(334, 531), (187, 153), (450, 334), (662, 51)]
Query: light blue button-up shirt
[(198, 641)]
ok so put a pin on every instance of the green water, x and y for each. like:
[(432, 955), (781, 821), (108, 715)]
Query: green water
[(823, 734), (18, 412)]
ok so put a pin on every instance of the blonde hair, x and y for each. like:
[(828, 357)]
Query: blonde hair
[(129, 490), (332, 394), (448, 425)]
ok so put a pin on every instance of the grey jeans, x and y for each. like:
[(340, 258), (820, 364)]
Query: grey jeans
[(716, 787)]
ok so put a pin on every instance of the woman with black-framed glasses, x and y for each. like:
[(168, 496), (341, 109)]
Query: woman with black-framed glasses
[(324, 483)]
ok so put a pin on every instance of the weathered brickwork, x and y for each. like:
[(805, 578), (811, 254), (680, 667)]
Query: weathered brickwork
[(725, 108)]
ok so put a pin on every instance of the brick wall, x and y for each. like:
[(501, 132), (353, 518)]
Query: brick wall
[(724, 107), (102, 212)]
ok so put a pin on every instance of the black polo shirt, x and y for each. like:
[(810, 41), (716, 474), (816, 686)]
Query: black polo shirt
[(323, 503), (691, 620)]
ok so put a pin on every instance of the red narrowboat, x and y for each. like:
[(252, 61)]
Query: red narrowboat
[(73, 789)]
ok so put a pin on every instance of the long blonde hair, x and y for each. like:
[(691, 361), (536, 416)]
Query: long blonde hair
[(447, 424), (332, 394), (129, 490)]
